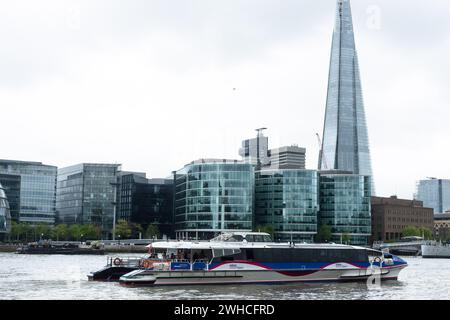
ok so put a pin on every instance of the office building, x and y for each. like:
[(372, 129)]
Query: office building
[(31, 190), (345, 143), (126, 187), (289, 157), (287, 200), (213, 196), (344, 202), (252, 147), (86, 195), (5, 216), (146, 201), (435, 193), (390, 217)]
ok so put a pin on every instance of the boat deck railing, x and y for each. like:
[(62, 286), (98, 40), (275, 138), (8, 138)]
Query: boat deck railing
[(114, 261)]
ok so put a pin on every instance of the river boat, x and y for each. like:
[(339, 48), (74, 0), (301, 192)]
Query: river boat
[(116, 267), (253, 258), (406, 246), (49, 247), (436, 250)]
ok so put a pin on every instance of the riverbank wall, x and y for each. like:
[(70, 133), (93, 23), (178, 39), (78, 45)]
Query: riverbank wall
[(8, 247), (107, 248)]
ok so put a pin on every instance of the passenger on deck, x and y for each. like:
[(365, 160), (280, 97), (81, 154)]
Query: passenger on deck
[(195, 257)]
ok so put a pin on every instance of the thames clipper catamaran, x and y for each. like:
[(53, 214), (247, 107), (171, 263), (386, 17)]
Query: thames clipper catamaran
[(252, 257)]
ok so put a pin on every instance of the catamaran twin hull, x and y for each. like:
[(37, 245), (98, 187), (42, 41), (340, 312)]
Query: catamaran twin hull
[(244, 272)]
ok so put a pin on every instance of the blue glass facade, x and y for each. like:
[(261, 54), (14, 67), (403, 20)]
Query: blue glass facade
[(345, 144), (344, 201), (435, 193), (286, 199), (86, 195), (5, 217), (37, 194), (213, 196)]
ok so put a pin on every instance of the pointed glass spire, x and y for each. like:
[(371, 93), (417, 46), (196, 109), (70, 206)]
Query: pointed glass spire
[(345, 144)]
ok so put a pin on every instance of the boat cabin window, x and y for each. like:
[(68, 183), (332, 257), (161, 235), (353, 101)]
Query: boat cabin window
[(304, 255), (185, 255), (229, 238), (226, 254), (258, 238)]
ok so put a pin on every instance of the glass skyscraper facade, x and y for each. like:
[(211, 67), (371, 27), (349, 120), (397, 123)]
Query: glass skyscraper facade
[(86, 195), (213, 196), (31, 190), (345, 144), (344, 201), (146, 201), (5, 216), (286, 199), (434, 193)]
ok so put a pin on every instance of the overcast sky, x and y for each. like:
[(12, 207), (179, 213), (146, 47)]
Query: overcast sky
[(155, 84)]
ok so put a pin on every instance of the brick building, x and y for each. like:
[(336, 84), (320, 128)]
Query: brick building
[(390, 216)]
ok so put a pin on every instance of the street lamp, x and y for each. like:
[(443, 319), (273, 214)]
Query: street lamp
[(119, 238), (114, 203), (81, 238)]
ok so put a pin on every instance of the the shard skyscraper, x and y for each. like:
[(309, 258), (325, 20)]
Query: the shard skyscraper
[(345, 144)]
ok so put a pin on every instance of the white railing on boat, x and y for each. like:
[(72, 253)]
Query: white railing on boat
[(115, 261)]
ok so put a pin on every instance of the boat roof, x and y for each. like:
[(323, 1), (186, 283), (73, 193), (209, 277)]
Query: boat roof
[(218, 245)]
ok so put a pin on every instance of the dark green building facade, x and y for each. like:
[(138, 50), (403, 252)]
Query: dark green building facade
[(286, 200), (344, 200), (213, 196)]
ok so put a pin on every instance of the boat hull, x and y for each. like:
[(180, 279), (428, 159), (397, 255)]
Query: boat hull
[(166, 278), (436, 251)]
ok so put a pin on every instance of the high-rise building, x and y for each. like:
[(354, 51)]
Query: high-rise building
[(31, 190), (126, 186), (289, 157), (345, 144), (287, 200), (5, 216), (435, 193), (213, 196), (146, 201), (344, 202), (251, 147), (86, 195)]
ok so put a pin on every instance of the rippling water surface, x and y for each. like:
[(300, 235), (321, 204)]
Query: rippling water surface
[(65, 277)]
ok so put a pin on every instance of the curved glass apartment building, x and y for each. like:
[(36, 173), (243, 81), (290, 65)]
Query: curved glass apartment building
[(31, 190), (345, 205), (286, 199), (213, 196), (5, 217)]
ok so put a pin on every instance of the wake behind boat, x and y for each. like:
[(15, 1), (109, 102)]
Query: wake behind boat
[(252, 257)]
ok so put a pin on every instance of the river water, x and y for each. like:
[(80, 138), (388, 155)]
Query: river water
[(64, 277)]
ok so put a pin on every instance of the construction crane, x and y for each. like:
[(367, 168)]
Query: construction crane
[(321, 155)]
